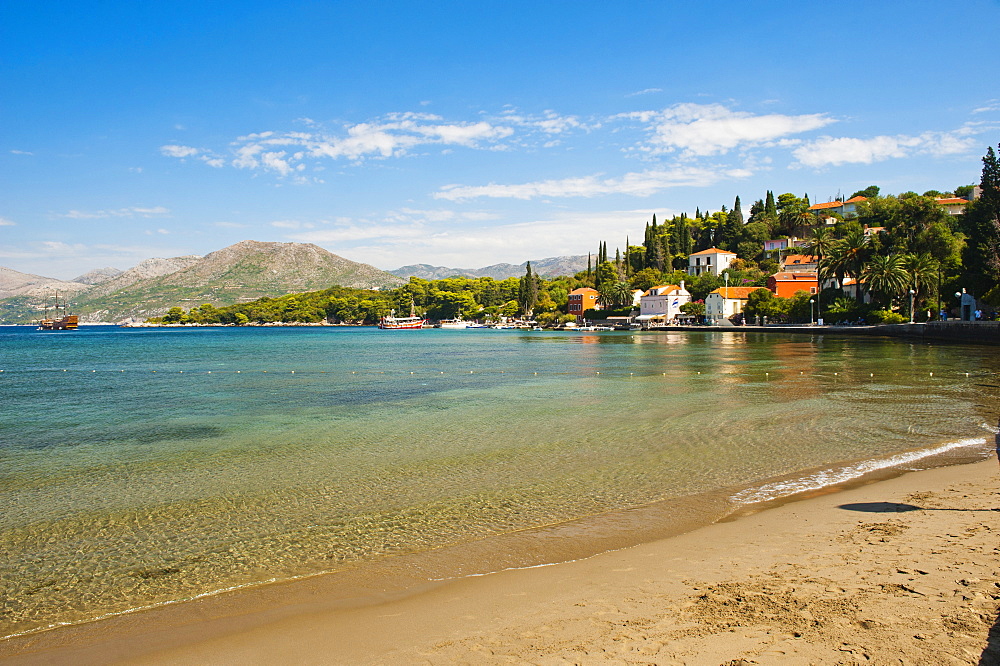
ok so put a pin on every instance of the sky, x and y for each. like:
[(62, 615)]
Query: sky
[(464, 134)]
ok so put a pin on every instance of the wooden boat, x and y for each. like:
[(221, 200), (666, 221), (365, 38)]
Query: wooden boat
[(67, 322), (401, 323)]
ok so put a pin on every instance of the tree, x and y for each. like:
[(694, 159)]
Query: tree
[(869, 192), (922, 269), (174, 316), (885, 277), (848, 258), (527, 295), (981, 223)]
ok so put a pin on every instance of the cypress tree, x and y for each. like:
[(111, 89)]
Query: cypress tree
[(528, 291), (770, 209)]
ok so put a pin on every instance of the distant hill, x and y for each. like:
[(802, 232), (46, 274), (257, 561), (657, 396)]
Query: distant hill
[(550, 267), (97, 276), (242, 272), (14, 283)]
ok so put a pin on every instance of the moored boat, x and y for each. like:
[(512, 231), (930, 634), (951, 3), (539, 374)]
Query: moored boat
[(401, 323), (453, 323)]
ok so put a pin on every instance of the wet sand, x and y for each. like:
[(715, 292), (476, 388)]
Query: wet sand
[(904, 570)]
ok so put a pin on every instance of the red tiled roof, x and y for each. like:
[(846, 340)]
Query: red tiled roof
[(857, 199), (584, 290), (741, 293), (798, 259), (788, 277), (824, 206), (951, 200), (712, 250)]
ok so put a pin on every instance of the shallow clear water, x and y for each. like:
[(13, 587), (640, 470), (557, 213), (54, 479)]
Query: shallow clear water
[(141, 466)]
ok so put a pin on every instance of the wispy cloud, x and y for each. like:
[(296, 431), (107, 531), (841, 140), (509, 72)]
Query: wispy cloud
[(470, 246), (992, 105), (647, 91), (831, 151), (641, 184), (20, 152), (134, 211), (698, 130), (4, 222)]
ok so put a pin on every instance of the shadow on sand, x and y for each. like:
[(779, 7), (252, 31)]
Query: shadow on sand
[(991, 655), (896, 507)]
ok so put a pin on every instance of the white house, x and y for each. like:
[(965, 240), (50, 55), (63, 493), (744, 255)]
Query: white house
[(712, 260), (954, 205), (663, 302), (725, 302)]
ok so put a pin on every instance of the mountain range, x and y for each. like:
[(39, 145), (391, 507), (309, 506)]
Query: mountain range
[(242, 272), (553, 266)]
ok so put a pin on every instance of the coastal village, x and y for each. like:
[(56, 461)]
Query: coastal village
[(869, 258)]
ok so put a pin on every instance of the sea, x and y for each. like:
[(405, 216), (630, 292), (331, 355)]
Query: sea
[(141, 467)]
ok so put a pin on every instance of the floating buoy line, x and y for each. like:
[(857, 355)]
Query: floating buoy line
[(763, 375)]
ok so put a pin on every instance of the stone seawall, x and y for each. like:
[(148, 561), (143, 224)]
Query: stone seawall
[(976, 332), (969, 332)]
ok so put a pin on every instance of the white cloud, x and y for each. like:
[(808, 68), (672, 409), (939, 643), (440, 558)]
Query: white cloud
[(465, 246), (830, 151), (393, 136), (4, 222), (699, 130), (20, 152), (640, 184), (229, 225), (134, 211), (178, 151), (291, 224)]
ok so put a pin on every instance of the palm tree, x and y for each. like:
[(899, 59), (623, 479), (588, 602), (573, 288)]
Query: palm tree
[(820, 246), (886, 275), (848, 258), (922, 269)]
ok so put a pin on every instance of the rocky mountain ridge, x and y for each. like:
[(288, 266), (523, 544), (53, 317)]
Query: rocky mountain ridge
[(550, 267)]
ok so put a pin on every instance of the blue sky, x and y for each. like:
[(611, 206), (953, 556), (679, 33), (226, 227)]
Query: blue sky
[(464, 133)]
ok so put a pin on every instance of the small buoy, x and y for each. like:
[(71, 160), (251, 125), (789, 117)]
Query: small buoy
[(835, 374), (237, 372), (411, 373), (293, 372), (536, 373), (64, 370), (966, 374), (699, 372), (932, 374), (871, 374), (598, 373), (209, 372), (470, 372), (664, 374), (441, 373)]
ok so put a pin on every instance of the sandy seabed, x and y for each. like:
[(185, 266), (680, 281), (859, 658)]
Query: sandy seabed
[(903, 571)]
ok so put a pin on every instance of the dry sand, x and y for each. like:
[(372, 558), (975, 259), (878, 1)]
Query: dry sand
[(903, 571)]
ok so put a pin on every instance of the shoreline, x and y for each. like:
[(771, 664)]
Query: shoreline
[(273, 617)]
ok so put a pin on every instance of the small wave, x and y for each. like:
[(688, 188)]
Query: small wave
[(832, 476)]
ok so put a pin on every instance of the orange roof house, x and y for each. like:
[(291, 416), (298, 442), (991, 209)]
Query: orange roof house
[(845, 208), (725, 302), (786, 283), (798, 262), (954, 205), (581, 300)]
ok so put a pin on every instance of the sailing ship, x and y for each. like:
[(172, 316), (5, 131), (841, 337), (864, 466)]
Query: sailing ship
[(67, 322)]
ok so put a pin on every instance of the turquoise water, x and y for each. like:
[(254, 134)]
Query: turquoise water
[(143, 466)]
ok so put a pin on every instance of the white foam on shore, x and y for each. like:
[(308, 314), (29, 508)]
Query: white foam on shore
[(835, 475)]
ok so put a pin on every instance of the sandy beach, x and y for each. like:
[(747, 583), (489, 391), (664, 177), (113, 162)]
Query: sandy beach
[(904, 570)]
